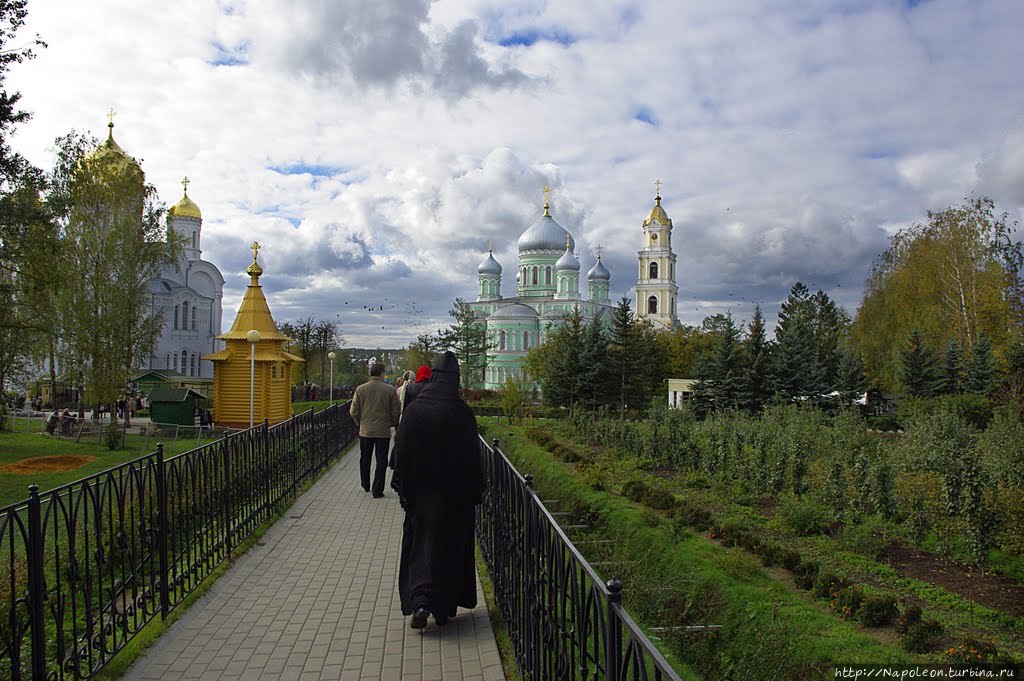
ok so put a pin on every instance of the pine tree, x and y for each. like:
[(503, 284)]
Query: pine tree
[(758, 364), (797, 372), (850, 380), (467, 338), (917, 367), (981, 371), (950, 373), (727, 370), (830, 324), (595, 376)]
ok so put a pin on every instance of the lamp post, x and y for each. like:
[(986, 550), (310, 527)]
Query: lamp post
[(253, 337), (331, 356)]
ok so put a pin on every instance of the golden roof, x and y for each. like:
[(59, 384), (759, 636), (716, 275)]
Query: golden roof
[(658, 215), (254, 313), (186, 208), (111, 152)]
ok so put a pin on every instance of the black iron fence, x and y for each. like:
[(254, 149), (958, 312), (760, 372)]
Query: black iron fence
[(564, 622), (84, 567)]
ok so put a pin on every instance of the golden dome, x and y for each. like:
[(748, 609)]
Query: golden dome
[(186, 208), (110, 152), (658, 215)]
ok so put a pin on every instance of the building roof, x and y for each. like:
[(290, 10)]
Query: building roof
[(514, 311), (599, 272), (658, 215), (489, 265), (545, 235), (185, 208), (159, 374), (254, 312), (164, 394), (568, 262)]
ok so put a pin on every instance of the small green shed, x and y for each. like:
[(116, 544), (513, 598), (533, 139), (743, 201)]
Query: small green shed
[(175, 406)]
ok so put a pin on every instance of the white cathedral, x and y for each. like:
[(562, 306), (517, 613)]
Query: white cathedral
[(548, 287), (189, 294)]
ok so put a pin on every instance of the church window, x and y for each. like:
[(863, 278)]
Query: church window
[(176, 310), (526, 340), (652, 305), (654, 270), (175, 361), (502, 340), (547, 275), (535, 271), (193, 239), (672, 270), (167, 361), (184, 361), (192, 365), (193, 318), (673, 307), (184, 316)]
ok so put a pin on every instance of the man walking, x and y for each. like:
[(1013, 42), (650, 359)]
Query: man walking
[(437, 462), (375, 409)]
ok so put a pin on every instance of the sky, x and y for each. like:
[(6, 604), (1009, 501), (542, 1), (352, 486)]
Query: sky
[(375, 147)]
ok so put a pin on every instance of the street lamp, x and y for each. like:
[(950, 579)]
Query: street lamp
[(253, 337), (331, 356)]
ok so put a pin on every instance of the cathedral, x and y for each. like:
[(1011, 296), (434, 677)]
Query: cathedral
[(189, 294), (548, 287)]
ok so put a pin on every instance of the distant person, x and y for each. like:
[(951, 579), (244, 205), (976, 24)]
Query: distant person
[(376, 410), (406, 394), (437, 460)]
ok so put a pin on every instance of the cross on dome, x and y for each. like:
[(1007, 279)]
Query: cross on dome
[(185, 182)]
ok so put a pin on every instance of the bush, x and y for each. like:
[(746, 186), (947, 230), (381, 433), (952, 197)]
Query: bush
[(659, 498), (789, 559), (806, 574), (689, 514), (634, 489), (919, 635), (868, 539), (847, 601), (114, 435), (828, 585), (771, 554), (879, 610), (972, 650), (805, 516)]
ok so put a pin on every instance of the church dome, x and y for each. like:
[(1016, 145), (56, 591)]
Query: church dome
[(186, 208), (514, 311), (568, 262), (658, 215), (111, 153), (545, 235), (489, 265), (599, 272)]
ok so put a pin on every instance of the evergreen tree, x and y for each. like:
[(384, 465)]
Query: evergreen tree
[(726, 371), (981, 371), (917, 370), (632, 356), (467, 338), (797, 372), (757, 377), (950, 374), (595, 376), (851, 382), (830, 324)]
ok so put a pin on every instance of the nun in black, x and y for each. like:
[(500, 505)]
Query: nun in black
[(437, 463)]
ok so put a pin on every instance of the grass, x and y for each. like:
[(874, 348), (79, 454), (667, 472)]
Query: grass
[(505, 651), (673, 578)]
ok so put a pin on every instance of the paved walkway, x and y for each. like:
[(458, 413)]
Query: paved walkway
[(317, 599)]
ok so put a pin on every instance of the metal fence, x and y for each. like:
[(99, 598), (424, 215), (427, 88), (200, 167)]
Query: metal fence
[(564, 622), (84, 567)]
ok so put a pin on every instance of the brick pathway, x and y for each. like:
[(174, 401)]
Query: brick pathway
[(317, 599)]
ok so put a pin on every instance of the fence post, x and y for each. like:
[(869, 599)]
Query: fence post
[(161, 530), (613, 653), (36, 585), (229, 512), (268, 466)]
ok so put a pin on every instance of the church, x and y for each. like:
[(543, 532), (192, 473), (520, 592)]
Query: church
[(548, 287)]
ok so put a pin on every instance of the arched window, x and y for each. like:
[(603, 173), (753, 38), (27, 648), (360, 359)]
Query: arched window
[(184, 360), (176, 311), (193, 318), (652, 305), (184, 317), (175, 361), (193, 239), (167, 361), (502, 340), (192, 365), (526, 340), (654, 270), (535, 271), (547, 275), (672, 270)]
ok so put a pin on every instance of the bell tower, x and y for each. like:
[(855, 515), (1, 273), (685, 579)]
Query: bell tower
[(656, 290)]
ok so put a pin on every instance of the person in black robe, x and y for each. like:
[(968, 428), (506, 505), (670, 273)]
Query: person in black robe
[(437, 463)]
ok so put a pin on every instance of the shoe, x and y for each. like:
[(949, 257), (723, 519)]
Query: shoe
[(378, 495), (366, 489), (419, 618)]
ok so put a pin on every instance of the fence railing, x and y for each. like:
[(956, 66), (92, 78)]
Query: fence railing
[(563, 621), (84, 567)]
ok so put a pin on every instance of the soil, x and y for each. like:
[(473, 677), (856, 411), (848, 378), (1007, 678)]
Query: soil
[(47, 464), (993, 591)]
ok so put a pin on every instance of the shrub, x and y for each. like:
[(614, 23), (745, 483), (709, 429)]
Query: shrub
[(972, 650), (789, 559), (634, 489), (114, 435), (771, 554), (691, 515), (805, 516), (879, 610), (919, 635), (660, 498), (868, 539), (828, 585), (731, 533), (847, 601), (806, 574)]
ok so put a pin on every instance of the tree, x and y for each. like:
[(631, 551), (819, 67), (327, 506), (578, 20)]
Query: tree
[(424, 350), (467, 338), (111, 246), (633, 357), (595, 374), (951, 373), (956, 276), (797, 372), (555, 364), (917, 367), (981, 372), (851, 383), (722, 377), (757, 388)]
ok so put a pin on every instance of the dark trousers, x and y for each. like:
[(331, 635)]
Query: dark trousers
[(378, 448)]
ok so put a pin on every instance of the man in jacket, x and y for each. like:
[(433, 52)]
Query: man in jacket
[(375, 409)]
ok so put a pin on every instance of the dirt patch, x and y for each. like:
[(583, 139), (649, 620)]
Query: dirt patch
[(993, 591), (47, 464)]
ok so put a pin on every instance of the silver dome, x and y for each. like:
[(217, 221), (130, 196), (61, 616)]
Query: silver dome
[(599, 272), (567, 262), (489, 266), (545, 235), (514, 311)]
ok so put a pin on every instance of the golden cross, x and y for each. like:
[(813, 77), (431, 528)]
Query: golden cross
[(547, 190), (255, 249), (567, 241), (657, 184), (185, 182), (490, 247), (598, 251), (110, 115)]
